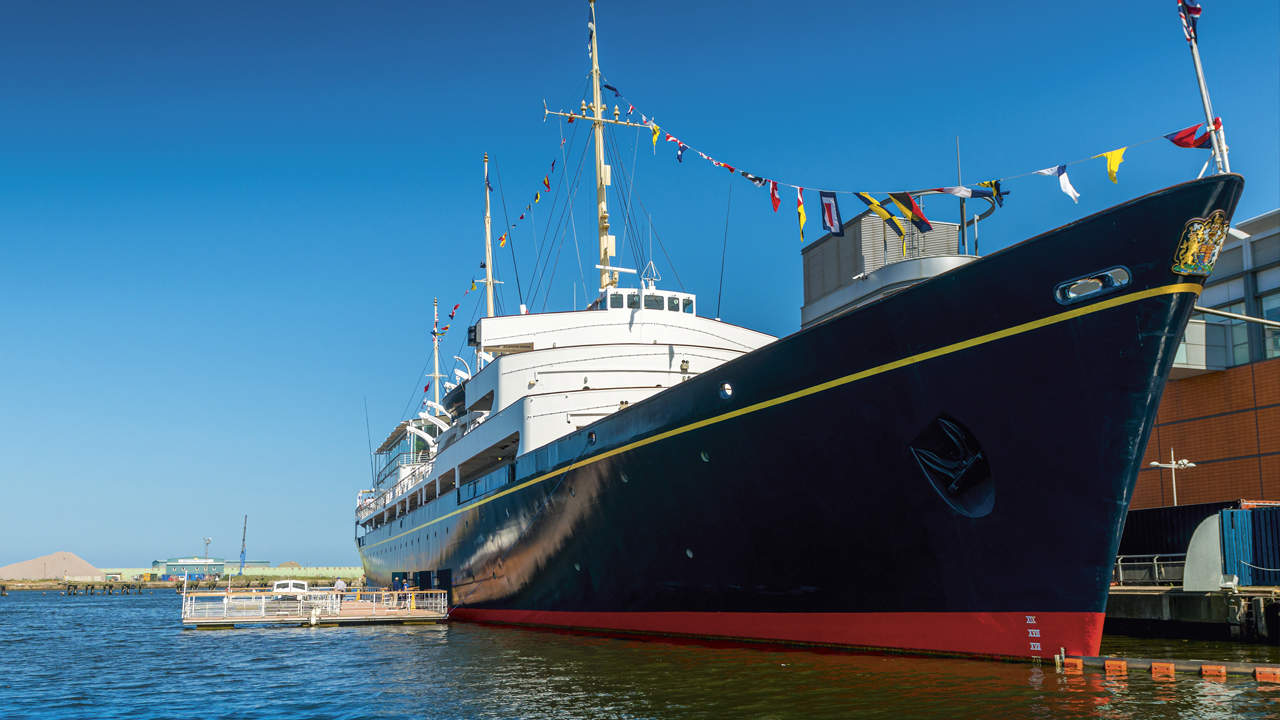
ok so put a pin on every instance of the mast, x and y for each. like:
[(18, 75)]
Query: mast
[(488, 245), (964, 241), (435, 349), (1217, 137), (608, 273), (244, 533), (608, 278)]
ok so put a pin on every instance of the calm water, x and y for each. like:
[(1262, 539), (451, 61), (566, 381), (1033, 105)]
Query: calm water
[(104, 657)]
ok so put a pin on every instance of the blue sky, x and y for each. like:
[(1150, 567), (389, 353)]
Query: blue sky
[(221, 227)]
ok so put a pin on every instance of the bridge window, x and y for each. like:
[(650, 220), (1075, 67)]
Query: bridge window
[(615, 300), (652, 302), (673, 303), (633, 301), (688, 305)]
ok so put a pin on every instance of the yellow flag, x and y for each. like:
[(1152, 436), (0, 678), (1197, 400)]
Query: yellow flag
[(537, 196), (1114, 158), (800, 210), (655, 136), (502, 241)]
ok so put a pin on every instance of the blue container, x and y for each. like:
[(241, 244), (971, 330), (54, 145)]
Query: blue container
[(1266, 546), (1237, 544), (1165, 530)]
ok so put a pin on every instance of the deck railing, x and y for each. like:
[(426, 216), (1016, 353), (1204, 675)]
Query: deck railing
[(259, 604), (1149, 569)]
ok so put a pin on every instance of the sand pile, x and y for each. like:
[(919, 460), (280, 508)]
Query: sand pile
[(54, 566)]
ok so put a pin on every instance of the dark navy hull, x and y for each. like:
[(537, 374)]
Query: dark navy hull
[(945, 470)]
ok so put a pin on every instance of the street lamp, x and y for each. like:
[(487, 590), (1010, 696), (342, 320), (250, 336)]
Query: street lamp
[(209, 539), (1174, 466)]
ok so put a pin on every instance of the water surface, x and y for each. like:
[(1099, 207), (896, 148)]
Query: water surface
[(126, 656)]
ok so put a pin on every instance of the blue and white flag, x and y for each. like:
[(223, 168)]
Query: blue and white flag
[(1064, 182), (831, 221)]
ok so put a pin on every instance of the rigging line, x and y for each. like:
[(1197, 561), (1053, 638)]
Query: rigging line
[(541, 242), (506, 228), (725, 248), (404, 414), (462, 344), (553, 264), (631, 238), (550, 282), (546, 259), (1082, 160), (558, 238), (628, 226), (368, 434), (629, 218), (662, 246), (577, 251), (883, 192), (552, 200)]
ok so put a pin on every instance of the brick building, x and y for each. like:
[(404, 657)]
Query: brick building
[(1221, 407)]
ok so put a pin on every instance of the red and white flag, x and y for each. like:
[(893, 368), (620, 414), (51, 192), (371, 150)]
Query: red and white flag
[(831, 221), (773, 195)]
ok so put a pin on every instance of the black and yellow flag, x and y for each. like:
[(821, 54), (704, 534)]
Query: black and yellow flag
[(878, 209)]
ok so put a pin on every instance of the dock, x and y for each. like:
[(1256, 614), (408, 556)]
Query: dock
[(323, 607), (1249, 614)]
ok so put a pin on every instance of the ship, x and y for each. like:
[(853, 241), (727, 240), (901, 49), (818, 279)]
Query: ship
[(906, 472)]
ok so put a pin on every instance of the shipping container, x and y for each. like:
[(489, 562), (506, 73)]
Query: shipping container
[(1165, 530), (1251, 545)]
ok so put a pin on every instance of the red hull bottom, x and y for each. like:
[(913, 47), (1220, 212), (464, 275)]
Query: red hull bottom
[(1001, 634)]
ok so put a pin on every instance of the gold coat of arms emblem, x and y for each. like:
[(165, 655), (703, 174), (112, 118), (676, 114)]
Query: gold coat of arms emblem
[(1202, 238)]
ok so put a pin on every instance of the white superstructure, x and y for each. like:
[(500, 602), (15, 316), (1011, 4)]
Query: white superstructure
[(551, 374)]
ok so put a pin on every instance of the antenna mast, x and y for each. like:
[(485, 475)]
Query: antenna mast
[(488, 245)]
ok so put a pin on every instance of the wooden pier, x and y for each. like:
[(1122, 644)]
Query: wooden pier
[(323, 607)]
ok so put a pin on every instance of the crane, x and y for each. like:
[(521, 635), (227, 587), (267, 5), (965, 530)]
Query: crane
[(243, 534)]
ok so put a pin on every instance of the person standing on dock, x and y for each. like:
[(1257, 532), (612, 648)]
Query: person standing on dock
[(339, 589)]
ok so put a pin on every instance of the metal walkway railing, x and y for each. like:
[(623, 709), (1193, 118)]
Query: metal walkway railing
[(258, 605)]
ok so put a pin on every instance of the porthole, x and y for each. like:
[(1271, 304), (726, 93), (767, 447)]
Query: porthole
[(706, 456), (726, 391), (624, 477), (688, 552), (591, 438)]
